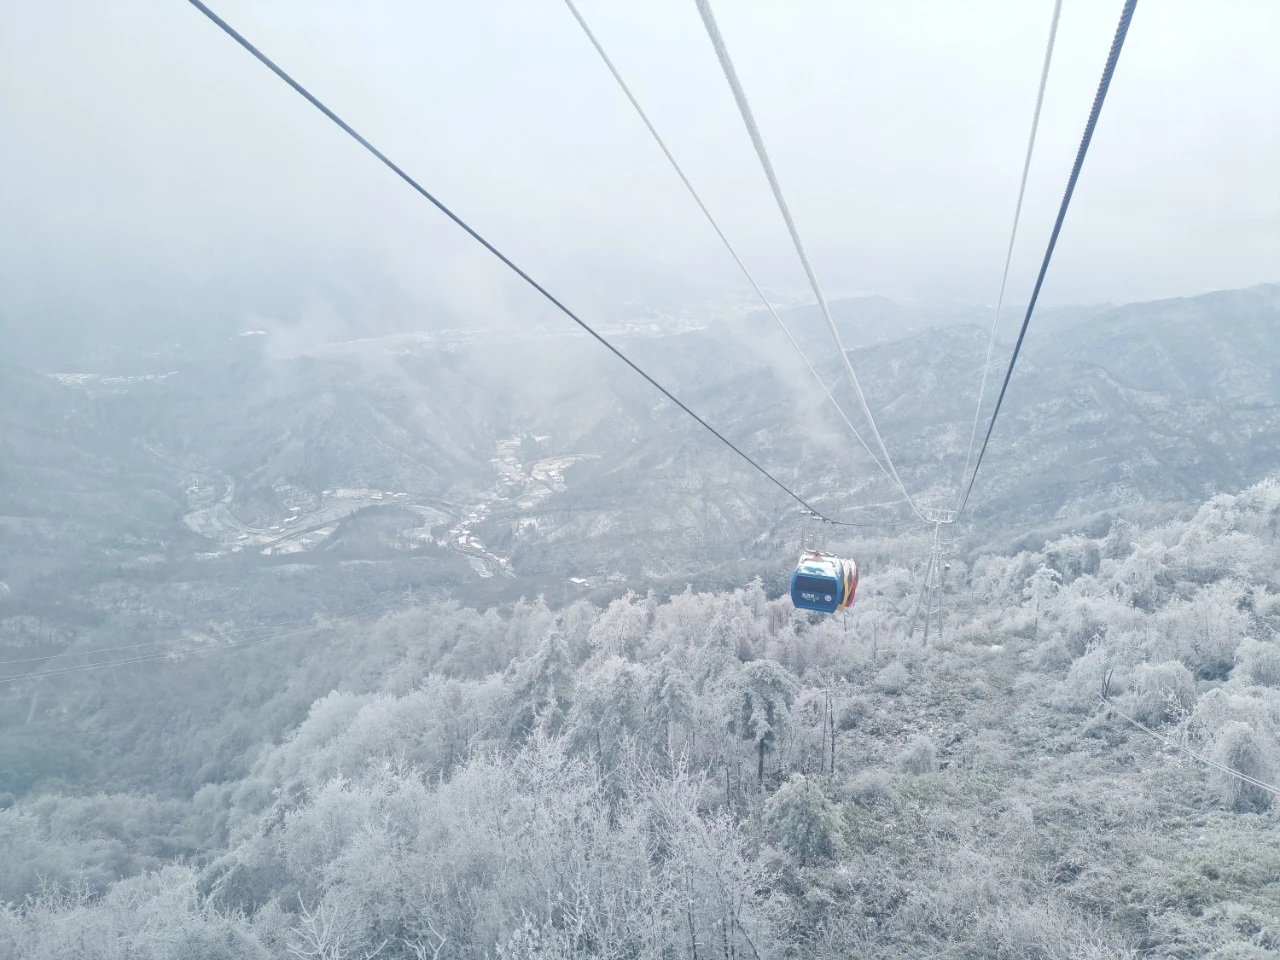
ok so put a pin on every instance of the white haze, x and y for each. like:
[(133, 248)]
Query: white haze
[(151, 166)]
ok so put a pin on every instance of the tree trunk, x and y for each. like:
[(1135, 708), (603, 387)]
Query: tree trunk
[(822, 739), (833, 743), (760, 762)]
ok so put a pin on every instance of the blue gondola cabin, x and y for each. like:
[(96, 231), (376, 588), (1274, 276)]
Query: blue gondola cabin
[(824, 583)]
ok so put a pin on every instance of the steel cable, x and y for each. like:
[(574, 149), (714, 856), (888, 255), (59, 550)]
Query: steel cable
[(748, 118), (719, 232), (1117, 44), (1013, 236), (439, 205), (1221, 767)]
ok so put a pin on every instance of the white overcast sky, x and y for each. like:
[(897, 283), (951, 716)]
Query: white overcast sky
[(143, 150)]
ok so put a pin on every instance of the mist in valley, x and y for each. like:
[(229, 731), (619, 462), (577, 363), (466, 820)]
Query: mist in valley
[(356, 603)]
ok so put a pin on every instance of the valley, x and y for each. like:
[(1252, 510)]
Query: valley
[(572, 479)]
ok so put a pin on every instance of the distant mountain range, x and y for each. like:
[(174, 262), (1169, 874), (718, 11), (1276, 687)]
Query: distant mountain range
[(230, 486)]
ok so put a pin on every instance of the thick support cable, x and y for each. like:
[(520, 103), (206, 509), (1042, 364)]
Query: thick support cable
[(739, 95), (1013, 236), (1117, 44), (386, 161), (720, 233), (1207, 761)]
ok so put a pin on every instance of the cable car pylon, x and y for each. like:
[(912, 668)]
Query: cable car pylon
[(934, 583)]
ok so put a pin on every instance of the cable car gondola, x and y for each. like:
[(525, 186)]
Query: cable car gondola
[(824, 582)]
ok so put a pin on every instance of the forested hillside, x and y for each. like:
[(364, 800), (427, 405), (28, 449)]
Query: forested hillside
[(506, 547), (179, 493), (718, 775)]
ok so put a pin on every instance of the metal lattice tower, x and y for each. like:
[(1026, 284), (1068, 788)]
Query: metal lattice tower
[(935, 574)]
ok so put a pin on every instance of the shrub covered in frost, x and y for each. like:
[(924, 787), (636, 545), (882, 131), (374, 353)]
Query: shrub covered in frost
[(1259, 663), (802, 820), (1239, 747), (893, 678), (871, 788), (918, 756), (1163, 692), (1265, 669), (853, 713)]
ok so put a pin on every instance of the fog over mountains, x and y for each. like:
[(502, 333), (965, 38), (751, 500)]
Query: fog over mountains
[(356, 603), (463, 643), (490, 464)]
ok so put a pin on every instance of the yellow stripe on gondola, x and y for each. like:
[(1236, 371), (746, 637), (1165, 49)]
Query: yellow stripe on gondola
[(847, 569)]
